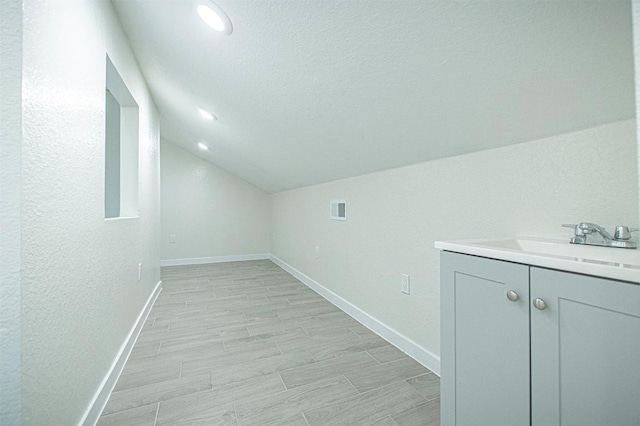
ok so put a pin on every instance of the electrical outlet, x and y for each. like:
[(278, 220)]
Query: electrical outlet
[(139, 271), (317, 252), (172, 238), (404, 283)]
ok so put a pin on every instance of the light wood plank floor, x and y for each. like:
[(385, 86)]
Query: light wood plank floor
[(245, 343)]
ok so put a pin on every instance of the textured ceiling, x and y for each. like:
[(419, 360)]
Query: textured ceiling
[(312, 91)]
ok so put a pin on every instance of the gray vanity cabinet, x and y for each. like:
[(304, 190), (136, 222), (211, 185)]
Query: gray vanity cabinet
[(572, 357), (484, 360), (585, 350)]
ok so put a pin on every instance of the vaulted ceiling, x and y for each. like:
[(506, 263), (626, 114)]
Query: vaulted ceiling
[(309, 91)]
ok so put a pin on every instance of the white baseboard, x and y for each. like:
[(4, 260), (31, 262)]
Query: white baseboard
[(214, 259), (99, 401), (406, 345)]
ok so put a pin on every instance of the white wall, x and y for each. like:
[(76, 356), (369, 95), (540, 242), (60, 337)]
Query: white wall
[(395, 216), (213, 214), (10, 140), (80, 292), (636, 55)]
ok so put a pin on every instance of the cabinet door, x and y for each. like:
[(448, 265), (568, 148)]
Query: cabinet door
[(585, 350), (485, 342)]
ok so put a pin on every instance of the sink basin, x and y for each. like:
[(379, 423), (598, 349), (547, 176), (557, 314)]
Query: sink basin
[(566, 249), (607, 262)]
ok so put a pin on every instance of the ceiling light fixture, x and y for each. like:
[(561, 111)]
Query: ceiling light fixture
[(202, 146), (206, 114), (214, 16)]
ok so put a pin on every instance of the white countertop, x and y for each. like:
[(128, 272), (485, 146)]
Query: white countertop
[(606, 262)]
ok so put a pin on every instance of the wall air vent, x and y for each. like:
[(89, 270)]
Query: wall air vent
[(339, 210)]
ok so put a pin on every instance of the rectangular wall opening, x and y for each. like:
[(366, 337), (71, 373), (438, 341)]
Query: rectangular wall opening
[(121, 148)]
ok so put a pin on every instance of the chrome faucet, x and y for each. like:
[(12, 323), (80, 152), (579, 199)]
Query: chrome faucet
[(595, 235)]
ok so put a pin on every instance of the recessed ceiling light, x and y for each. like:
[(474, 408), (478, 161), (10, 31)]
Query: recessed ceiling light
[(202, 146), (214, 16), (206, 114)]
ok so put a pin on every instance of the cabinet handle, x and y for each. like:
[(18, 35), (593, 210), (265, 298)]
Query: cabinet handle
[(512, 295), (540, 304)]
